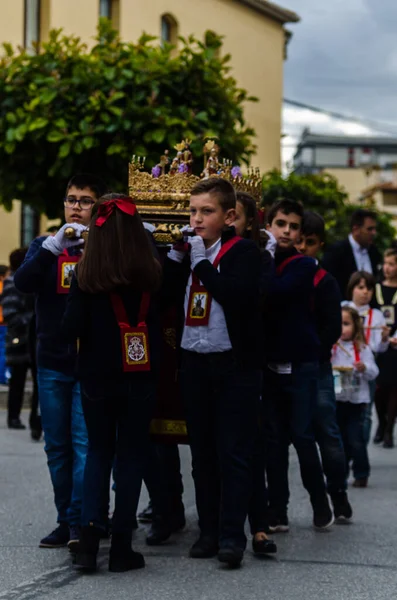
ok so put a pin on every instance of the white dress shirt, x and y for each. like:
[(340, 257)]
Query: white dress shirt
[(374, 336), (361, 256), (213, 337)]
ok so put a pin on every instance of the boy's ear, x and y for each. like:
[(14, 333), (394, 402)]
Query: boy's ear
[(230, 216), (268, 227)]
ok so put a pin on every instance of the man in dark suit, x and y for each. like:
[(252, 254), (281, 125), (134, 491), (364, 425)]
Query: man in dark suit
[(357, 252)]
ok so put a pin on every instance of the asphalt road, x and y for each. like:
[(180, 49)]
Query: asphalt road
[(358, 561)]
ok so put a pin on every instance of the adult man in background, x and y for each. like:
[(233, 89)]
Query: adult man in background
[(357, 252)]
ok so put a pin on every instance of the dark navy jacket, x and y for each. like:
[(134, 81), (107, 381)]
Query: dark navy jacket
[(328, 314), (236, 287), (38, 275), (290, 327)]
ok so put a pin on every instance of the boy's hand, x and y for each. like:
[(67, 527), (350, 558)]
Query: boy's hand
[(197, 250), (385, 333), (393, 342), (59, 242), (360, 366)]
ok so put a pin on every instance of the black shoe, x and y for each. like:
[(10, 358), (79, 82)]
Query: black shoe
[(360, 483), (323, 516), (279, 523), (74, 537), (343, 511), (379, 435), (160, 531), (57, 538), (205, 547), (16, 424), (231, 555), (35, 434), (263, 547), (146, 516), (121, 556), (87, 548), (388, 441)]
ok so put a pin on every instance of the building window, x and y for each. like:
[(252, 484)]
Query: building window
[(32, 23), (169, 29), (105, 8), (30, 224)]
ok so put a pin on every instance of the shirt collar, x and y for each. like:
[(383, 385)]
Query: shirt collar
[(214, 249), (356, 246)]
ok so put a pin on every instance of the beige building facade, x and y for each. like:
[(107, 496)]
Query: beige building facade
[(254, 34)]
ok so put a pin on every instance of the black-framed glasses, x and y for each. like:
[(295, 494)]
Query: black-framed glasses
[(85, 203)]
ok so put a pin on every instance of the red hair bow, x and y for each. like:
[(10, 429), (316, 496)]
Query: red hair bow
[(126, 205)]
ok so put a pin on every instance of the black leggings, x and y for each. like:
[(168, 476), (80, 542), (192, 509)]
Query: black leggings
[(386, 408)]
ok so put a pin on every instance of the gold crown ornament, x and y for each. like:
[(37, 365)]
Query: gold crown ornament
[(162, 196)]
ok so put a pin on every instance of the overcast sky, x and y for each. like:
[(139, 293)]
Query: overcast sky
[(342, 57)]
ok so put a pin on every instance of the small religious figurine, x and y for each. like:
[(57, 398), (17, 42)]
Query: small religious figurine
[(175, 165), (187, 156), (164, 161), (212, 166)]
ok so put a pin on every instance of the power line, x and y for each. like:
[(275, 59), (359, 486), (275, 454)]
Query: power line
[(335, 115)]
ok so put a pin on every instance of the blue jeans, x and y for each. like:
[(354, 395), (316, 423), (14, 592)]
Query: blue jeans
[(118, 413), (327, 432), (350, 420), (66, 440), (289, 407)]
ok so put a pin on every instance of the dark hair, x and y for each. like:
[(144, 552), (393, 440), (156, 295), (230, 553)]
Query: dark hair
[(218, 187), (251, 213), (118, 254), (286, 206), (16, 258), (358, 327), (313, 224), (358, 217), (355, 280), (3, 270), (88, 180)]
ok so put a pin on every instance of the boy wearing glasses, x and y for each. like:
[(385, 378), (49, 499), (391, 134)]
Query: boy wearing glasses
[(45, 272)]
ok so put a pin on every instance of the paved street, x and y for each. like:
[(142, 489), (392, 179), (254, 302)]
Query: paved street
[(352, 562)]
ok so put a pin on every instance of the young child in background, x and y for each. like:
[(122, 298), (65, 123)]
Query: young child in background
[(386, 392), (360, 291), (354, 367), (359, 295), (327, 300)]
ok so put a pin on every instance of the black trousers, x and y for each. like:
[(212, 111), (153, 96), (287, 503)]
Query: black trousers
[(117, 413), (163, 479), (289, 408), (16, 391), (222, 409)]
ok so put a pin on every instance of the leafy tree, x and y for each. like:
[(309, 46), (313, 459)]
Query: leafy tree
[(67, 109), (323, 194)]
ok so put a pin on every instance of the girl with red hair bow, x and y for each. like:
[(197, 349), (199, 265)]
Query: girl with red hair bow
[(111, 312)]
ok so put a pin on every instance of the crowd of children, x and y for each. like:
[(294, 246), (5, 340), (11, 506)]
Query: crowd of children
[(267, 357)]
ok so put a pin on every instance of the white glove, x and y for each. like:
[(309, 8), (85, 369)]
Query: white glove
[(271, 243), (197, 250), (59, 242)]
